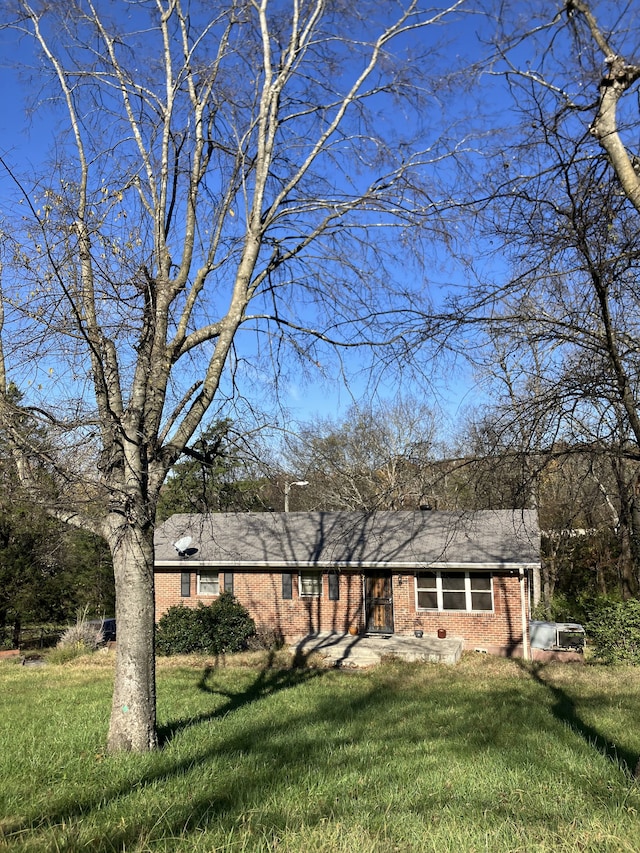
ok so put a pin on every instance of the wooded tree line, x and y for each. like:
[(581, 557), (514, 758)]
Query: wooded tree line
[(50, 572), (253, 188), (50, 575)]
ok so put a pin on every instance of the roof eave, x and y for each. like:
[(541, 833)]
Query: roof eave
[(313, 564)]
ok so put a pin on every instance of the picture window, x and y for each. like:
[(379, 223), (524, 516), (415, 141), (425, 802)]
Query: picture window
[(458, 591)]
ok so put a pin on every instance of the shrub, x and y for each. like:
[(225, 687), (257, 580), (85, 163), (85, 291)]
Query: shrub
[(227, 623), (223, 626), (83, 636), (559, 609), (176, 631), (79, 639), (270, 639), (64, 654), (613, 629)]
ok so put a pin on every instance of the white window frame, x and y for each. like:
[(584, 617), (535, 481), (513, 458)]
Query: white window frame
[(310, 574), (439, 589), (210, 573)]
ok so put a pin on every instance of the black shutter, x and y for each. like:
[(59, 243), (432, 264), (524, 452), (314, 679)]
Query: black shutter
[(287, 585), (228, 582), (185, 584), (334, 586)]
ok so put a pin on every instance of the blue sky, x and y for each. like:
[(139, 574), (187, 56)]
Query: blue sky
[(26, 141)]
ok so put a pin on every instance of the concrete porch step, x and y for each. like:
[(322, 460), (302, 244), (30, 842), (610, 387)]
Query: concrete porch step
[(368, 649)]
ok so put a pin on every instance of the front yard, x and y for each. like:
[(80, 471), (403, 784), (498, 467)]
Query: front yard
[(489, 755)]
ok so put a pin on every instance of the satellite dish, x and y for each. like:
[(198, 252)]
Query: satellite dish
[(182, 544)]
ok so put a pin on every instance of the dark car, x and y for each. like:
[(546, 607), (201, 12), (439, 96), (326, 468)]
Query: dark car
[(109, 630), (108, 627)]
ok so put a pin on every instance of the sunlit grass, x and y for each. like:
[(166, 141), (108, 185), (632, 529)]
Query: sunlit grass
[(485, 756)]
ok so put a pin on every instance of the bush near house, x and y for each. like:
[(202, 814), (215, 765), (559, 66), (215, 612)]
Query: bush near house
[(222, 626), (613, 629)]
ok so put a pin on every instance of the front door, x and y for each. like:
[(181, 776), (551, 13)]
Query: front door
[(379, 603)]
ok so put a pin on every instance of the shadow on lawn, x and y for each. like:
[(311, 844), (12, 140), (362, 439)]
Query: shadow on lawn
[(222, 776), (564, 709), (198, 807), (270, 680)]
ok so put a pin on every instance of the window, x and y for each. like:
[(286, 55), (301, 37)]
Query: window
[(481, 592), (208, 582), (454, 591), (427, 589), (310, 583), (185, 584), (334, 586), (228, 582), (287, 585)]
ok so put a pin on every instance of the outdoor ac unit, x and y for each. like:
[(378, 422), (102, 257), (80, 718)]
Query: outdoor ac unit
[(553, 636)]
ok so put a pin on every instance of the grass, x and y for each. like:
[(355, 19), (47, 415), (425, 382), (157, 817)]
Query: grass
[(489, 755)]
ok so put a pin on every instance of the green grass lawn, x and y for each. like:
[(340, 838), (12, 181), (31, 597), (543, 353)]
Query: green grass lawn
[(488, 755)]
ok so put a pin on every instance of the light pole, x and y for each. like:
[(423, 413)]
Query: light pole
[(287, 489)]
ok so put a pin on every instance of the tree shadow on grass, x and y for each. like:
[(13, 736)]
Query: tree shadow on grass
[(565, 710), (270, 680), (66, 812)]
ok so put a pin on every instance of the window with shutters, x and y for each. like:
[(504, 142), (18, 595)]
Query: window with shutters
[(208, 582), (310, 583)]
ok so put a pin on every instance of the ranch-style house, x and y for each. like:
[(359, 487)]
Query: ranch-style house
[(464, 573)]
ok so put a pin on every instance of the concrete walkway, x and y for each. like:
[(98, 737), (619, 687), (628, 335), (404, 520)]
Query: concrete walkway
[(343, 650)]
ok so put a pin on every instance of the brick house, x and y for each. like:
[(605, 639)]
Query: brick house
[(383, 572)]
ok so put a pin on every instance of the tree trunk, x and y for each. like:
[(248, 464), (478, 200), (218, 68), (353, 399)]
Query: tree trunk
[(628, 561), (549, 573), (133, 711), (634, 568)]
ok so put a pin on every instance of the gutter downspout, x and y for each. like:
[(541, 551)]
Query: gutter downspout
[(523, 612)]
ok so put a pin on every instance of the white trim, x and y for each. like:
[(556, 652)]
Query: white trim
[(523, 613), (207, 594), (287, 565), (439, 589)]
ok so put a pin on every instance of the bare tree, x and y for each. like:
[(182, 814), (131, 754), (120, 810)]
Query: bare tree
[(223, 179), (560, 317), (564, 198), (617, 90), (378, 457)]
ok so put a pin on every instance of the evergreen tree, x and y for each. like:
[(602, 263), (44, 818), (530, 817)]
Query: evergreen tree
[(214, 476)]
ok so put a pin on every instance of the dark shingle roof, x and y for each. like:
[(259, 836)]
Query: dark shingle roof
[(412, 539)]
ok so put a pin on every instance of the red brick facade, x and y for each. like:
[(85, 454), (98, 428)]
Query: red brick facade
[(498, 631)]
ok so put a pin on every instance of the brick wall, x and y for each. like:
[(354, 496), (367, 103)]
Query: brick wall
[(498, 632)]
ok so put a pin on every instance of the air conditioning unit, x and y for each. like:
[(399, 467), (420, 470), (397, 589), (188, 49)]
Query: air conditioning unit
[(556, 636)]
